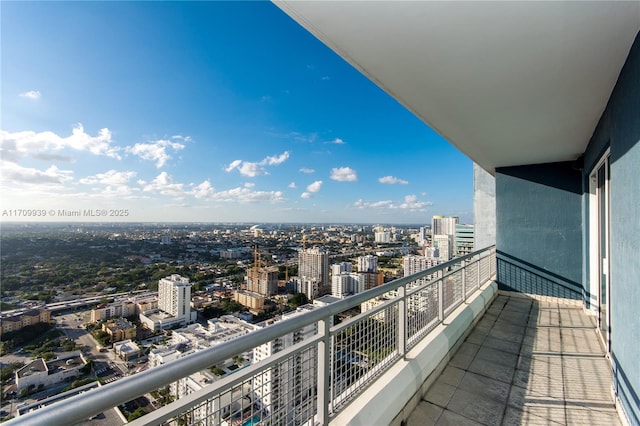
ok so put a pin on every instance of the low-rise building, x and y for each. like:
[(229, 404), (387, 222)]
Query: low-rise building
[(29, 317), (127, 350), (40, 372), (119, 329)]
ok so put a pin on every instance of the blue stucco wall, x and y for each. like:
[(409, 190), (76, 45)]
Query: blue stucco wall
[(619, 128), (539, 229)]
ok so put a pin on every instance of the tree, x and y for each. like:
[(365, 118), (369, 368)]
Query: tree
[(139, 412), (217, 370), (298, 299)]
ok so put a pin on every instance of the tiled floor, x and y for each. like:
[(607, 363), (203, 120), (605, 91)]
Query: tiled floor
[(527, 362)]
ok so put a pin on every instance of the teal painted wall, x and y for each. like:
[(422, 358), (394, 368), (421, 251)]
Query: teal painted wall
[(619, 129), (539, 229)]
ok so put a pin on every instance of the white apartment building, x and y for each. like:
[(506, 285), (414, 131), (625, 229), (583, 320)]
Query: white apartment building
[(444, 244), (174, 304), (294, 376), (441, 225), (381, 235), (368, 263), (174, 296)]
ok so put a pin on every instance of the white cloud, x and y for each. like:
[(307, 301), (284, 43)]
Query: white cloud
[(111, 177), (45, 145), (182, 138), (14, 173), (275, 160), (253, 169), (306, 170), (344, 174), (163, 184), (249, 184), (157, 150), (337, 141), (203, 191), (305, 195), (233, 165), (119, 192), (246, 195), (31, 94), (391, 180), (292, 185), (410, 202), (315, 186)]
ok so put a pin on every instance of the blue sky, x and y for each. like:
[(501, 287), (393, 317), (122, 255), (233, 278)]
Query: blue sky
[(207, 111)]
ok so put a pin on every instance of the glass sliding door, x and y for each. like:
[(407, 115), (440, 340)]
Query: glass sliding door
[(602, 220)]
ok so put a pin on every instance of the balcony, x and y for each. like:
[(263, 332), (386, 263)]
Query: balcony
[(524, 358), (527, 361)]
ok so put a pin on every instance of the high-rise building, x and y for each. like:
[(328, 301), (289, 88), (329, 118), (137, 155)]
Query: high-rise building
[(174, 297), (313, 271), (444, 244), (381, 235), (292, 376), (367, 263), (441, 225), (464, 239), (263, 281), (369, 280), (413, 264)]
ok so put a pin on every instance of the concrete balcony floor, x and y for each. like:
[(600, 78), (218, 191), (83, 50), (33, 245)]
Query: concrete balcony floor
[(527, 362)]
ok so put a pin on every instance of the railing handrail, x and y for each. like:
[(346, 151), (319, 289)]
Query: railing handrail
[(80, 407)]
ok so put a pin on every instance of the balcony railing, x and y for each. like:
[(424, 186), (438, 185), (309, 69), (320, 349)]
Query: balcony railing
[(300, 380)]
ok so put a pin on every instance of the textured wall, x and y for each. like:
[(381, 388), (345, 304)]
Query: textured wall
[(539, 225), (484, 208), (619, 129)]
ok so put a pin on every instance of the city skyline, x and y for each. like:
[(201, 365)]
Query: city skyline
[(206, 112)]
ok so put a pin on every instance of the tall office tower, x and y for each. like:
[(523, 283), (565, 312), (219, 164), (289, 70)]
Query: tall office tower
[(381, 235), (263, 281), (174, 296), (441, 225), (444, 244), (313, 271), (464, 239), (368, 263), (286, 391)]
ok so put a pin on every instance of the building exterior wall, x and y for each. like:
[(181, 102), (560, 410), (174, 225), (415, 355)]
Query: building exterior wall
[(619, 130), (539, 229), (484, 207)]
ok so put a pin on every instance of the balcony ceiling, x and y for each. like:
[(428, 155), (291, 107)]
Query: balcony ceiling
[(507, 83)]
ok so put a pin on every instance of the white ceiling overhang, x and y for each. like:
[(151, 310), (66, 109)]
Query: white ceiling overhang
[(507, 83)]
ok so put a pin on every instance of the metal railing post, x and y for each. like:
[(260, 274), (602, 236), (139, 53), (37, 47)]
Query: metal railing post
[(478, 269), (440, 301), (324, 370), (463, 272), (402, 321)]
